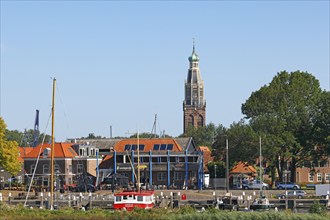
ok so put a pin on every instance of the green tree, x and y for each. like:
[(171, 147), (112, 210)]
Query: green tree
[(26, 138), (282, 112), (203, 136), (9, 152), (220, 169), (242, 144), (321, 130)]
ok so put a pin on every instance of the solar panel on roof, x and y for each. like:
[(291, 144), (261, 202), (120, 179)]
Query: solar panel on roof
[(127, 147), (156, 147), (141, 147), (163, 147), (170, 147), (134, 147)]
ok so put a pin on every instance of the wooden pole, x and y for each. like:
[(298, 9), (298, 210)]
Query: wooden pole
[(52, 150)]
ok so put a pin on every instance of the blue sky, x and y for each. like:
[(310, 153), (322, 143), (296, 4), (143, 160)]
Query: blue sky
[(119, 63)]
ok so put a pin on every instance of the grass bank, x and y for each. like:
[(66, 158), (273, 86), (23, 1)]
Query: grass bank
[(186, 213)]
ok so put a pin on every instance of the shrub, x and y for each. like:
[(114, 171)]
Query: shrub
[(317, 208)]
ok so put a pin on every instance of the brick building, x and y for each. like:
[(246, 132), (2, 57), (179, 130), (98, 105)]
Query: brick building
[(164, 162), (194, 104)]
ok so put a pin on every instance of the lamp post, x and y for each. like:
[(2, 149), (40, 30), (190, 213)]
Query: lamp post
[(215, 176)]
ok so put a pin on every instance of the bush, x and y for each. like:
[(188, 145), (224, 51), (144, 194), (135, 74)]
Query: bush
[(317, 208)]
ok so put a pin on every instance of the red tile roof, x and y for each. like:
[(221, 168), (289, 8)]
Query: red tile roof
[(23, 151), (207, 156), (243, 167), (149, 144), (61, 150)]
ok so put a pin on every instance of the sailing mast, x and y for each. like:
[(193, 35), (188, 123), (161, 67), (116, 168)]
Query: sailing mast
[(52, 150)]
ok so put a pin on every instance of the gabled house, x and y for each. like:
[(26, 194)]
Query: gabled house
[(71, 163), (164, 162), (240, 172), (6, 177)]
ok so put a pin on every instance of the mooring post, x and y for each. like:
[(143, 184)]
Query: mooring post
[(42, 200), (171, 198), (48, 203), (9, 198), (286, 199), (90, 200), (80, 200)]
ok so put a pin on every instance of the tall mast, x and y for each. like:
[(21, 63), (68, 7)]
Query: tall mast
[(52, 150)]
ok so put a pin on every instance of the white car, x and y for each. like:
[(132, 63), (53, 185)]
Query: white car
[(255, 184)]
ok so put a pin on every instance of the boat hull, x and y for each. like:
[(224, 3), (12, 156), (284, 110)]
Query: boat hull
[(131, 206)]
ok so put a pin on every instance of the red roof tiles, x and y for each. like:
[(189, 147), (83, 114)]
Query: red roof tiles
[(61, 150)]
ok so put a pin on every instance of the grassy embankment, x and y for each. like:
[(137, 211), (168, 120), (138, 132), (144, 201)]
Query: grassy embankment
[(185, 213)]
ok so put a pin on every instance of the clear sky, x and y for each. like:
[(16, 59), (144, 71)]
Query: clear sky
[(119, 63)]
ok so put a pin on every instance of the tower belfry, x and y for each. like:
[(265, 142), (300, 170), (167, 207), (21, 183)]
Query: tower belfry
[(194, 104)]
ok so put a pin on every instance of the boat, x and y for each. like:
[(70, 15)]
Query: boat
[(261, 203), (128, 200)]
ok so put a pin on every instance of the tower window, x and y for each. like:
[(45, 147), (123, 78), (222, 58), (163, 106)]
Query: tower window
[(200, 121)]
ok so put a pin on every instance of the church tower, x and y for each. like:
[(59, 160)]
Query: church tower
[(194, 104)]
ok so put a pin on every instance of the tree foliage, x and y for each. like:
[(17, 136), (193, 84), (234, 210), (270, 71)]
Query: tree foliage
[(9, 152), (321, 130), (26, 138), (283, 113), (203, 136), (220, 169)]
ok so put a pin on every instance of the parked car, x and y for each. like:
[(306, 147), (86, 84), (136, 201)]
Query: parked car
[(288, 186), (255, 184), (293, 194)]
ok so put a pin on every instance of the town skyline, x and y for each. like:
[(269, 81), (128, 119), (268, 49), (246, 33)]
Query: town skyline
[(118, 64)]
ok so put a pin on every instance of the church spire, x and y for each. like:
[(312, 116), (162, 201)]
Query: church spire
[(194, 104)]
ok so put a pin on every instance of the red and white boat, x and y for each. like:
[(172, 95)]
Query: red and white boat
[(128, 200)]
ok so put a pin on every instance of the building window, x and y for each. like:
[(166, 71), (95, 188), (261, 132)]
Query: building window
[(319, 177), (45, 168), (45, 181), (32, 168), (178, 176), (57, 168), (311, 177), (327, 177), (161, 176), (80, 168)]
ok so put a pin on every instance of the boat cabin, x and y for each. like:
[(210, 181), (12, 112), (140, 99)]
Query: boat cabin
[(128, 200)]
